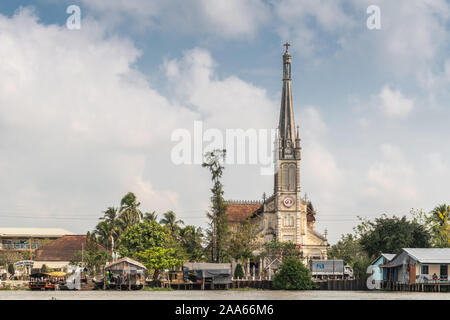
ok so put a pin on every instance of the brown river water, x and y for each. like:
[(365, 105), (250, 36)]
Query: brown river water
[(219, 295)]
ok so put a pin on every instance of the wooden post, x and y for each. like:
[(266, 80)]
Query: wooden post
[(203, 280)]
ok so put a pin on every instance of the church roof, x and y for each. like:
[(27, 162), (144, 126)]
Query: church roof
[(240, 211)]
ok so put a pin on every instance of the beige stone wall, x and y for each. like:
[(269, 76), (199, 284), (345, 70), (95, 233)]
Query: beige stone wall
[(432, 269)]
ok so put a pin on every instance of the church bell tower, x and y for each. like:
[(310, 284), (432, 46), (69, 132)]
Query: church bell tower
[(289, 207)]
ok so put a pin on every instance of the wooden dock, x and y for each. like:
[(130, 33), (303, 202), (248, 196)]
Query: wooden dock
[(348, 285), (416, 287), (338, 285)]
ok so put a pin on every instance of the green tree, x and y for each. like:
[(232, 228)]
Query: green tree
[(170, 220), (440, 228), (157, 259), (11, 268), (27, 255), (9, 256), (109, 230), (390, 235), (351, 251), (94, 257), (219, 229), (191, 240), (243, 241), (439, 213), (130, 214), (151, 216), (276, 249), (239, 272), (437, 225), (143, 236), (103, 233), (293, 275)]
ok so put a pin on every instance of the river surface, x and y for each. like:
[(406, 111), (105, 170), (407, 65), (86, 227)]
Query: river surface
[(219, 295)]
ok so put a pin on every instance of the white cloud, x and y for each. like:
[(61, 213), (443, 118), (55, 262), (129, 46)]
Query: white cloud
[(77, 121), (393, 103), (412, 41), (321, 176), (81, 127), (392, 179), (226, 103), (302, 22), (223, 18), (436, 164)]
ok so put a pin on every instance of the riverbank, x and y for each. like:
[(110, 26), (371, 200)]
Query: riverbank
[(219, 295)]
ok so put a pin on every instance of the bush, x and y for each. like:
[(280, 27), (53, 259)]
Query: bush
[(239, 272), (293, 275), (11, 268)]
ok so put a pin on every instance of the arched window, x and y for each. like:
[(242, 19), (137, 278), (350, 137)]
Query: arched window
[(292, 177), (285, 177)]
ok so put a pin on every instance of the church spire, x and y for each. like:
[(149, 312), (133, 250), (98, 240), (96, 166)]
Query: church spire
[(286, 128)]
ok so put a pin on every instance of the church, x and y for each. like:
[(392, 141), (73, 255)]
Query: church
[(285, 216)]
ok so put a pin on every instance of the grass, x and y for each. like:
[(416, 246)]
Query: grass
[(157, 289), (6, 288)]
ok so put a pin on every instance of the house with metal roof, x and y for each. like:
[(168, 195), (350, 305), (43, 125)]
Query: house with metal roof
[(419, 265), (23, 239), (125, 273), (379, 274)]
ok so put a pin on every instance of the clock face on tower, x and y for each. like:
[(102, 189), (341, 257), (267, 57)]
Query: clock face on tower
[(288, 202)]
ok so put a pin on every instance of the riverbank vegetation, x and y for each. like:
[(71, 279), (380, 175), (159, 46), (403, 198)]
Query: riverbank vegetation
[(126, 230), (390, 234)]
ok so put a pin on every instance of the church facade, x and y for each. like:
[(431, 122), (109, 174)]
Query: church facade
[(285, 216)]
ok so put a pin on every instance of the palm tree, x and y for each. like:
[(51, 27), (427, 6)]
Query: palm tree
[(129, 211), (191, 239), (111, 218), (102, 234), (151, 216), (440, 210), (170, 220)]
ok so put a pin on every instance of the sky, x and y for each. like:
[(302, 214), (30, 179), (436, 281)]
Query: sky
[(87, 115)]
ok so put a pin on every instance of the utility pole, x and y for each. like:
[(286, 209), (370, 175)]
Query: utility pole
[(215, 238)]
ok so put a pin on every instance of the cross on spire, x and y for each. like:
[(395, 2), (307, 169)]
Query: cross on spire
[(287, 45)]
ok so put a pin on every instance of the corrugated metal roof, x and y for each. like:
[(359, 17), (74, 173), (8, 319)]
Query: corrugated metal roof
[(129, 260), (208, 266), (18, 232), (389, 256), (429, 255)]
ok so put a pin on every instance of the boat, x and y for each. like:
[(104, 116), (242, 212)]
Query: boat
[(47, 281)]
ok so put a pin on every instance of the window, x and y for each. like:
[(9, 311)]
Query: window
[(288, 221), (292, 174), (444, 271), (285, 177), (21, 244), (425, 269), (7, 244)]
